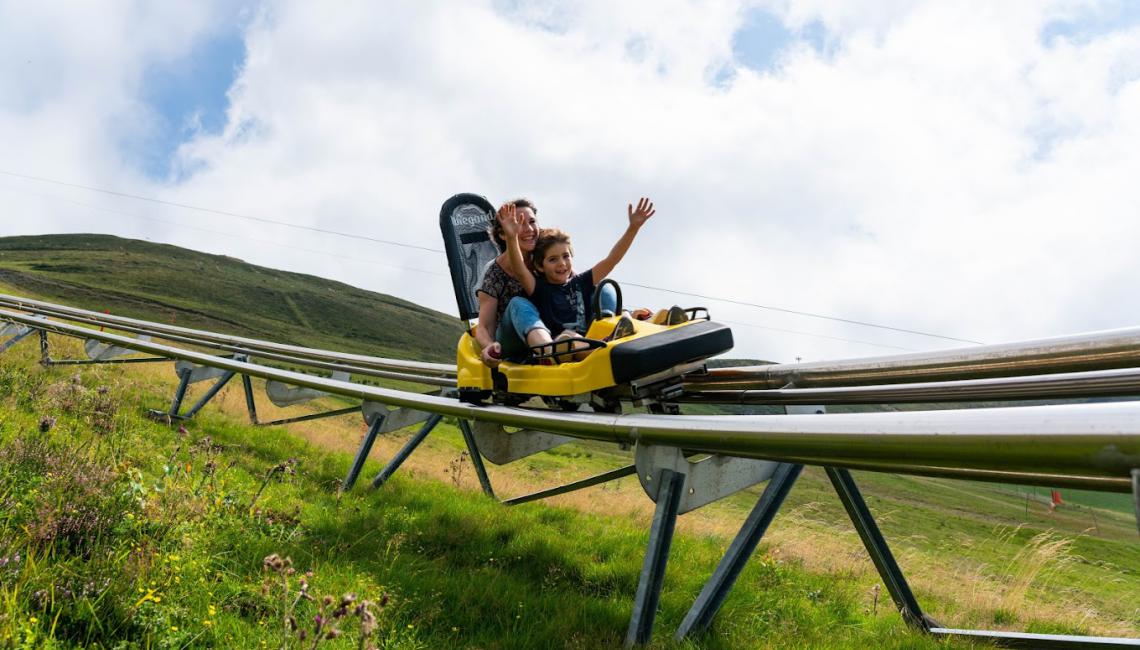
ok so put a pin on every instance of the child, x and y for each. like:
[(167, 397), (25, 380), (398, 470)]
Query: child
[(565, 299)]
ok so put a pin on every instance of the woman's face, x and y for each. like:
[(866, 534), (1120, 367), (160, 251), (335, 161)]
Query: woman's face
[(528, 230)]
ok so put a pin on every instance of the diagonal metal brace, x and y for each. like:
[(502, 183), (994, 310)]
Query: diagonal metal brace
[(476, 458), (712, 596), (604, 477), (877, 548), (652, 576)]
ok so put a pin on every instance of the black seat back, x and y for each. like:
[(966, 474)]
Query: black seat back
[(465, 221)]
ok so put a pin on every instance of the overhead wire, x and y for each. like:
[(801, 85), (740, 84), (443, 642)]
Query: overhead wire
[(225, 213), (388, 242), (224, 234)]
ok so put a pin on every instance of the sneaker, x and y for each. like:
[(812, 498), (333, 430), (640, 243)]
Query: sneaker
[(676, 316), (623, 328)]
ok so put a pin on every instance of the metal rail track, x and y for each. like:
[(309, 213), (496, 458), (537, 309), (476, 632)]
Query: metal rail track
[(820, 383), (1074, 353), (432, 374), (1086, 445), (254, 347)]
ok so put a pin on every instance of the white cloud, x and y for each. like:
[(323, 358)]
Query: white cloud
[(940, 167)]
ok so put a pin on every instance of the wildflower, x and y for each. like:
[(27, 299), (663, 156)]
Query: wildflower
[(33, 620), (150, 596)]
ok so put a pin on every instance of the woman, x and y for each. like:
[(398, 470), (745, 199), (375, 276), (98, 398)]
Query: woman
[(500, 286)]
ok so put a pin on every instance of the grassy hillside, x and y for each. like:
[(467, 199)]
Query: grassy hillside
[(170, 284), (116, 531)]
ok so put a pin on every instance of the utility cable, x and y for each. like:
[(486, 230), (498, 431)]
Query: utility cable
[(187, 206), (228, 235), (801, 313), (437, 250), (812, 334)]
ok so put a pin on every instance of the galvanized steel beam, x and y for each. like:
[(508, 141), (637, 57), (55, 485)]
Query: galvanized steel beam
[(1064, 444), (1118, 348), (257, 347)]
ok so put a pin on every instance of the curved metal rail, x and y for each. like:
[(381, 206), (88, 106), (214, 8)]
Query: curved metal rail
[(438, 374), (738, 385), (1095, 383), (1074, 353), (1087, 445)]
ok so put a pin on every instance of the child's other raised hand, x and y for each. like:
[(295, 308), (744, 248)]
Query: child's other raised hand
[(644, 210), (509, 219)]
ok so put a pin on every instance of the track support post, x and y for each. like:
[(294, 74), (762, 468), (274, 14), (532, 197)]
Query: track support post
[(250, 404), (877, 548), (45, 349), (1136, 495), (188, 374), (376, 421), (476, 458), (652, 577), (180, 392), (406, 451), (712, 596)]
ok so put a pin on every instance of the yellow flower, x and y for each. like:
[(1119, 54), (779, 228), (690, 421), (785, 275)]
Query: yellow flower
[(33, 620), (173, 628)]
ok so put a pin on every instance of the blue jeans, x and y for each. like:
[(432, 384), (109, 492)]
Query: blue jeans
[(521, 317)]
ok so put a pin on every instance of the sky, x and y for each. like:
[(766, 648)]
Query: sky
[(969, 170)]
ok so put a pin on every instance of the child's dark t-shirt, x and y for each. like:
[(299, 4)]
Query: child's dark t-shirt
[(566, 306)]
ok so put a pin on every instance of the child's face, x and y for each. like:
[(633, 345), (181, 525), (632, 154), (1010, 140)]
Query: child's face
[(557, 264)]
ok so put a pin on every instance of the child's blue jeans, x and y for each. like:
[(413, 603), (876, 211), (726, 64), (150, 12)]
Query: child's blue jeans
[(522, 316)]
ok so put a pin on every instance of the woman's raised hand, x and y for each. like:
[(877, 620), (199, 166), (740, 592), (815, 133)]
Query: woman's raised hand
[(644, 210), (510, 220)]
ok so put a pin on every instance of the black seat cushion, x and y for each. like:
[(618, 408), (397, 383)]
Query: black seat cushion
[(658, 352)]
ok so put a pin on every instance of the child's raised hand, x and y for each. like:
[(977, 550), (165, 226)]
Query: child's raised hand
[(644, 210), (509, 219)]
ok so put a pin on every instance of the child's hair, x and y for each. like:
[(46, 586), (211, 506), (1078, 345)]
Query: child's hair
[(497, 230), (548, 237)]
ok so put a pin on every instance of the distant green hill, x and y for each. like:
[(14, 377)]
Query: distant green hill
[(174, 285)]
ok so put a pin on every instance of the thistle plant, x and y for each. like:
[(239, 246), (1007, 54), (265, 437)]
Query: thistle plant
[(330, 612)]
